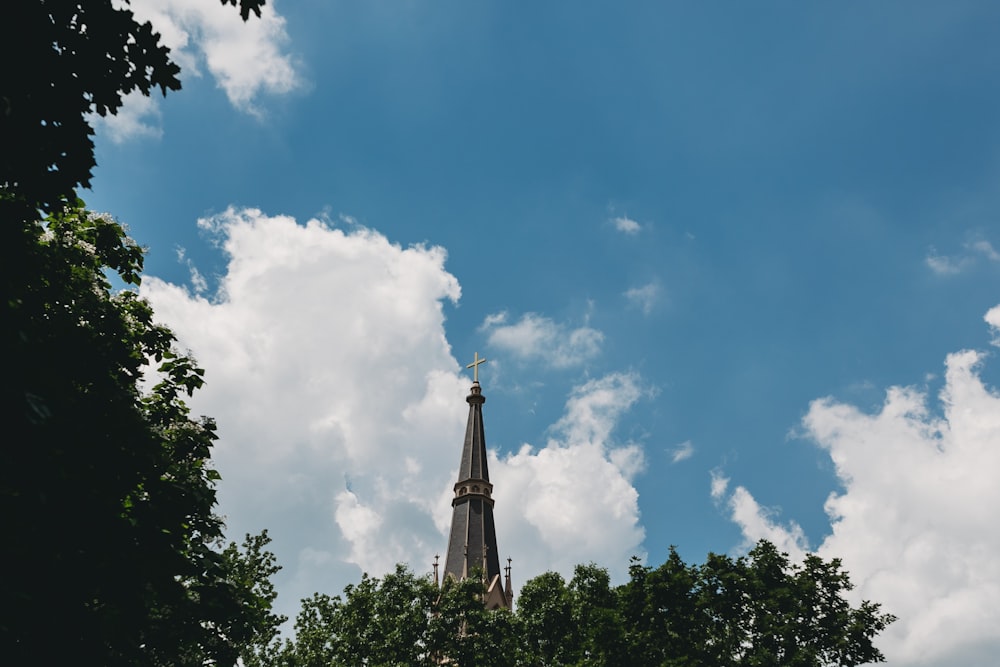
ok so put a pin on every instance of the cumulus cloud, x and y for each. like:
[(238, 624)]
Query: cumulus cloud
[(572, 501), (757, 522), (992, 318), (341, 412), (245, 58), (327, 370), (644, 298), (538, 338), (914, 521), (626, 225)]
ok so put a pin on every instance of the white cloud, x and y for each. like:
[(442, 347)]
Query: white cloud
[(758, 522), (341, 412), (682, 452), (572, 501), (538, 338), (327, 367), (915, 521), (992, 318), (645, 297), (626, 225), (245, 58)]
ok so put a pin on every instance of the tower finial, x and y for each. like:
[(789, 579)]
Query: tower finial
[(508, 588), (475, 367)]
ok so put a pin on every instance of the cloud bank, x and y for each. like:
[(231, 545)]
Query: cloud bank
[(915, 523), (341, 412)]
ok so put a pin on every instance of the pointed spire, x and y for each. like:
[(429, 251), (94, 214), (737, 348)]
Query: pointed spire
[(473, 543)]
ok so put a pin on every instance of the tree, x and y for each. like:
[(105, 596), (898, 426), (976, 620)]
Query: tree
[(401, 619), (256, 629), (63, 60), (463, 633), (111, 546), (757, 610), (545, 620), (378, 622), (659, 612), (110, 552), (599, 633)]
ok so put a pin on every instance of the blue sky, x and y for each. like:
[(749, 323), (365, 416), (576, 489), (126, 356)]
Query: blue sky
[(724, 260)]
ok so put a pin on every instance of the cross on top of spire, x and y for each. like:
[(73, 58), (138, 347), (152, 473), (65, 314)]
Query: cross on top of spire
[(475, 367)]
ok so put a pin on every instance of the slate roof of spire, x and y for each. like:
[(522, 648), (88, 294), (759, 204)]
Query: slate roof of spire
[(473, 540)]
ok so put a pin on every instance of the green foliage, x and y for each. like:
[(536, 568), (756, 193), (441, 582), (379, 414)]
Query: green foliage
[(255, 630), (545, 617), (758, 610), (378, 622), (401, 619), (658, 613), (107, 493), (464, 632), (63, 60), (110, 552)]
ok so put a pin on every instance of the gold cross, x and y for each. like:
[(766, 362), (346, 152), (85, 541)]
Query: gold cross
[(475, 366)]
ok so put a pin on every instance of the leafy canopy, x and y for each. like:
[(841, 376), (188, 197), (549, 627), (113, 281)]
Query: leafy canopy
[(759, 610), (112, 552), (106, 490)]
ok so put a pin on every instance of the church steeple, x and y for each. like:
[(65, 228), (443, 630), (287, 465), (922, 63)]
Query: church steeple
[(473, 540)]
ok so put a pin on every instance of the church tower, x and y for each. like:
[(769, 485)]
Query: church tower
[(472, 544)]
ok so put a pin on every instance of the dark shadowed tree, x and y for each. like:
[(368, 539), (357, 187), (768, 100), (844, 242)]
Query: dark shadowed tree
[(106, 491), (111, 550)]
